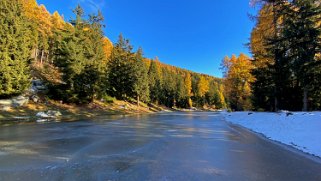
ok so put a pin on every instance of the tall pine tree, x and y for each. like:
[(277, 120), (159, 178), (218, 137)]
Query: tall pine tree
[(14, 49)]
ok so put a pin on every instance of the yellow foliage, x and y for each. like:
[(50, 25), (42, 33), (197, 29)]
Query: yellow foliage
[(108, 47), (188, 84), (237, 81), (203, 86)]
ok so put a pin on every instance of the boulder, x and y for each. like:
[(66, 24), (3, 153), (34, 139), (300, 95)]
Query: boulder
[(19, 101), (54, 113), (49, 114), (42, 115), (35, 98)]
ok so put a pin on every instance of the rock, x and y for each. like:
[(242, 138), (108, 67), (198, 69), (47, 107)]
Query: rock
[(54, 113), (49, 114), (35, 98), (37, 86), (19, 101), (289, 114), (42, 115)]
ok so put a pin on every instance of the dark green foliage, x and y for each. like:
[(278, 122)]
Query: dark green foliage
[(14, 49), (85, 85), (140, 76), (79, 55), (120, 70), (155, 82), (288, 79), (168, 89), (213, 95), (181, 96)]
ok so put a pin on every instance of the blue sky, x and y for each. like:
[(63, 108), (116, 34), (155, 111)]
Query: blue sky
[(192, 34)]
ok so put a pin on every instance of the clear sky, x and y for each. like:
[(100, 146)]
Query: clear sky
[(192, 34)]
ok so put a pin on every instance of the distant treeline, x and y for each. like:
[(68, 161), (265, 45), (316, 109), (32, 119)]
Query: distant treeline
[(285, 71), (83, 65)]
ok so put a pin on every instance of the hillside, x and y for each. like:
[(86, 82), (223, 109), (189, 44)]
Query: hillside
[(80, 69)]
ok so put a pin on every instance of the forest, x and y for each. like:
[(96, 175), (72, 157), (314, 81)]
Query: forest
[(82, 65), (79, 64), (284, 72)]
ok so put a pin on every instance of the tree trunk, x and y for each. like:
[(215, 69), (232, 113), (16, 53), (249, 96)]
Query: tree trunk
[(36, 54), (47, 57), (305, 99), (276, 104), (42, 54)]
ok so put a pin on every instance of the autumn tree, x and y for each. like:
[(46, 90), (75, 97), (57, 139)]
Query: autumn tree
[(237, 80), (108, 47), (202, 89), (285, 45), (41, 25), (188, 88)]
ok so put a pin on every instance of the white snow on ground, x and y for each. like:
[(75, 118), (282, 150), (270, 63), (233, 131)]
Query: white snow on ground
[(301, 130)]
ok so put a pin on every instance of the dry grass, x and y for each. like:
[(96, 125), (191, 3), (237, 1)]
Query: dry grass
[(73, 112)]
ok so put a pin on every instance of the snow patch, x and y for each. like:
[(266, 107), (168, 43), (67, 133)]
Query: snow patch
[(301, 130)]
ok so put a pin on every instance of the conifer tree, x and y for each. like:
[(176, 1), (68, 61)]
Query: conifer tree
[(120, 70), (79, 53), (188, 88), (286, 54), (301, 30), (140, 76), (155, 81), (238, 77), (14, 49)]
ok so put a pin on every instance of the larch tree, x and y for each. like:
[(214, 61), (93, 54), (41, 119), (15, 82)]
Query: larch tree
[(238, 77), (202, 89), (285, 44), (188, 88)]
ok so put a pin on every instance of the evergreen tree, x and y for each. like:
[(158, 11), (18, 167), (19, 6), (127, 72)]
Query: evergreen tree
[(155, 81), (169, 91), (301, 30), (14, 49), (79, 53), (286, 54), (120, 70), (181, 97), (263, 60), (140, 75)]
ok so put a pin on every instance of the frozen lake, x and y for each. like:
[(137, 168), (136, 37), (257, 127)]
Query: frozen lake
[(167, 146)]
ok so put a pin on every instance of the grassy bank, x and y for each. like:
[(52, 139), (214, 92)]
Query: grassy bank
[(73, 112)]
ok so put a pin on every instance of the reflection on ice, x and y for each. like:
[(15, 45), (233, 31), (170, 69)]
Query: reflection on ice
[(166, 146)]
